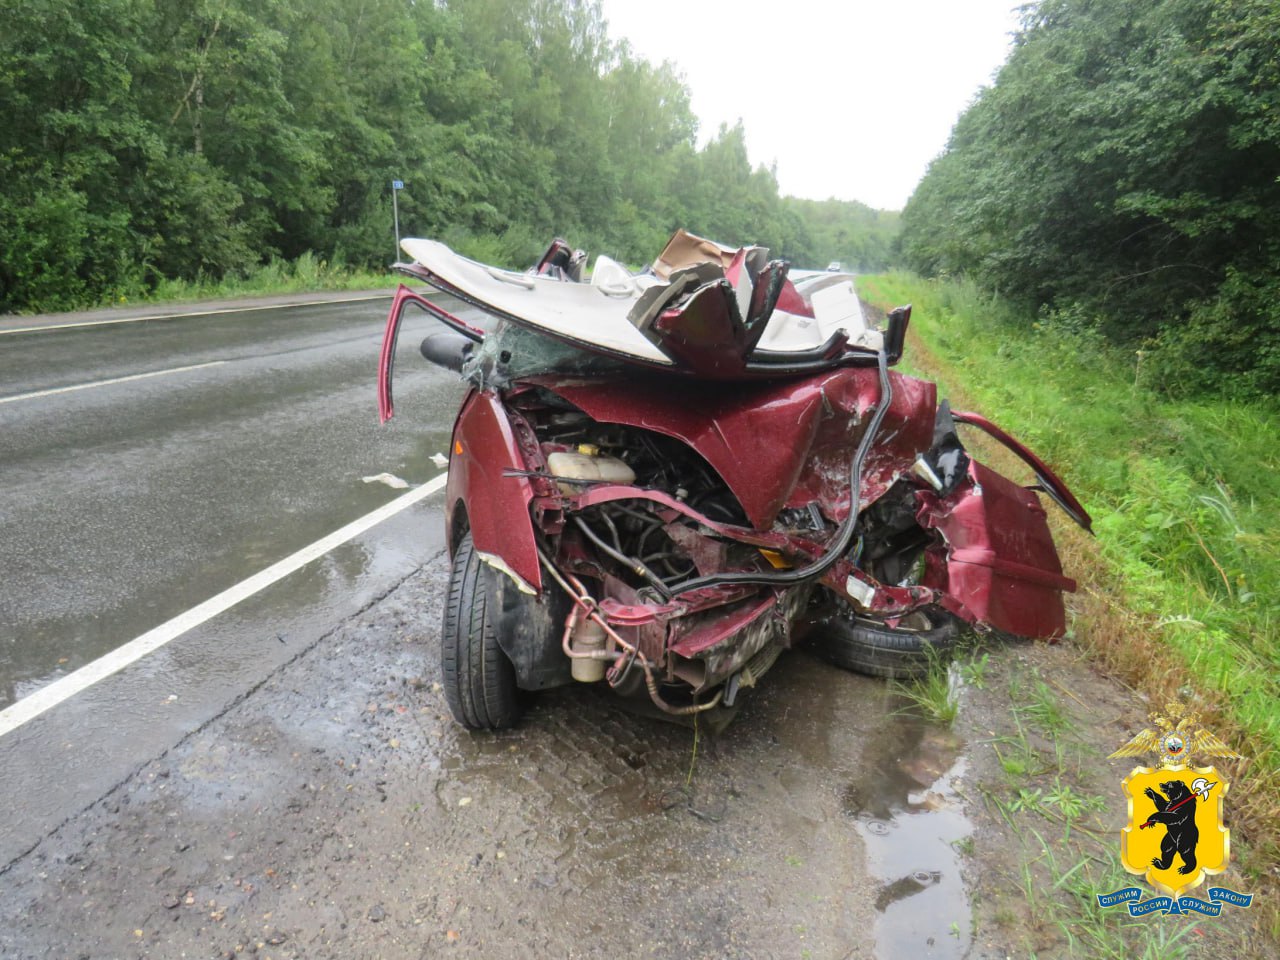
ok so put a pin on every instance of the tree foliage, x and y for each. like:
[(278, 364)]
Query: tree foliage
[(146, 141), (1122, 172)]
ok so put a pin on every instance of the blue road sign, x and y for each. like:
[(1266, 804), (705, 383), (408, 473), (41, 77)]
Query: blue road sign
[(397, 184)]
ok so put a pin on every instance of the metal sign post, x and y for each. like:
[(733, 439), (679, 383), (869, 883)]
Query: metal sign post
[(396, 187)]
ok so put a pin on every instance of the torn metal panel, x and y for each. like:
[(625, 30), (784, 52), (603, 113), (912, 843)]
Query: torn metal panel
[(704, 333), (579, 313), (502, 567), (709, 312), (1048, 480), (1002, 567), (685, 249)]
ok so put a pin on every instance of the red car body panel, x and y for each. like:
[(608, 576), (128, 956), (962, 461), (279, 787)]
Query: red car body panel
[(779, 432), (775, 444), (786, 444), (1002, 567), (485, 452), (1049, 480)]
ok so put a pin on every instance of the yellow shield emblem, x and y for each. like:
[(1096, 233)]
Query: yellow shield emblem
[(1175, 837)]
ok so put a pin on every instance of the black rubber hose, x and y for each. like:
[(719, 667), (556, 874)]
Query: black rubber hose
[(631, 562), (788, 578)]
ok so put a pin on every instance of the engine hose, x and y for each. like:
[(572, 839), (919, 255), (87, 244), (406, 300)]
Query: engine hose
[(788, 578), (631, 562), (661, 704), (581, 599), (617, 541)]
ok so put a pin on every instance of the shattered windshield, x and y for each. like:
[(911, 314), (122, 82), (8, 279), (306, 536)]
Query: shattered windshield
[(510, 352)]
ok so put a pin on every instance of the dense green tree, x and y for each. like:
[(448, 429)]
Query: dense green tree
[(1121, 172), (144, 141), (72, 136), (852, 233)]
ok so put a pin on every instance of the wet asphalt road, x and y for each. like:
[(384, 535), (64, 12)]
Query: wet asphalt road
[(285, 781), (127, 503), (124, 504), (340, 814)]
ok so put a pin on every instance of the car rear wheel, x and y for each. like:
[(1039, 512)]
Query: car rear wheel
[(479, 680), (922, 638)]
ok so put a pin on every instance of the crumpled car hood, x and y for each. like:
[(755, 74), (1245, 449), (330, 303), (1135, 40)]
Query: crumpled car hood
[(734, 320)]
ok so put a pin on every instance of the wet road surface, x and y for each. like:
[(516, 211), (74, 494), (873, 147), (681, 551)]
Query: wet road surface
[(285, 780), (339, 813), (127, 503), (123, 504)]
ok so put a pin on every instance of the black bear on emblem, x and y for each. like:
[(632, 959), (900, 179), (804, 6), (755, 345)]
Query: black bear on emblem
[(1177, 811)]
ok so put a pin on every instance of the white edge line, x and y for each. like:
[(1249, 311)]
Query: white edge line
[(197, 313), (107, 383), (30, 707)]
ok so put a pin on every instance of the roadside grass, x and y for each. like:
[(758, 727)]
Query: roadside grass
[(1067, 844), (935, 695), (1018, 759), (973, 671), (306, 274), (1040, 705), (1180, 591)]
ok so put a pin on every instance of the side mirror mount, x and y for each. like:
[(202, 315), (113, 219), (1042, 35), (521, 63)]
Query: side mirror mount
[(447, 348)]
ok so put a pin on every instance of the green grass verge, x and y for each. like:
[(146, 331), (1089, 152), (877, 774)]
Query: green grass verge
[(1063, 830), (1185, 494), (307, 274)]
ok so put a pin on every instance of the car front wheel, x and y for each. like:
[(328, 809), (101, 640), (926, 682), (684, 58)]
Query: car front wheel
[(479, 680), (921, 639)]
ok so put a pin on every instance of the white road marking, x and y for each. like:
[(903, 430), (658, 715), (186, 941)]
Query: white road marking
[(199, 313), (28, 708), (107, 383)]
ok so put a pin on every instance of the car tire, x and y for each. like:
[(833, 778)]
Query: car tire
[(897, 653), (478, 678)]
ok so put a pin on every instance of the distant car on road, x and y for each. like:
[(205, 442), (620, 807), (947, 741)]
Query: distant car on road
[(834, 267)]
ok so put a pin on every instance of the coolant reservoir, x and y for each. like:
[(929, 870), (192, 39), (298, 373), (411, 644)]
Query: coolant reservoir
[(588, 463)]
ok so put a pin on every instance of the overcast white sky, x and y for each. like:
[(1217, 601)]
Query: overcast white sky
[(851, 99)]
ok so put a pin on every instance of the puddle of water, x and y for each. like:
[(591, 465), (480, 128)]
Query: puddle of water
[(909, 816)]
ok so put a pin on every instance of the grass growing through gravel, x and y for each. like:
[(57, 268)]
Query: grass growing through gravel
[(1180, 591), (935, 694)]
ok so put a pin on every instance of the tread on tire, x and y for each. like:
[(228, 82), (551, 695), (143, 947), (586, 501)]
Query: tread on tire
[(871, 647), (478, 678)]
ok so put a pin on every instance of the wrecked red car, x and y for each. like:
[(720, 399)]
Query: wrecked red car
[(660, 482)]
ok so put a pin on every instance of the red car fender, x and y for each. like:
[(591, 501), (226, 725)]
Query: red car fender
[(1001, 565), (483, 449)]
